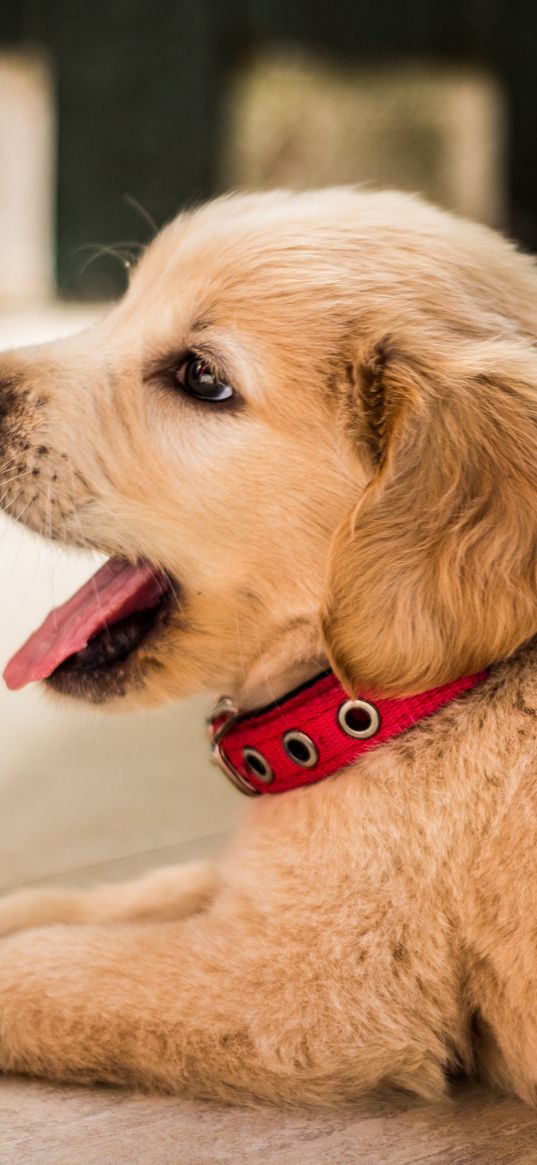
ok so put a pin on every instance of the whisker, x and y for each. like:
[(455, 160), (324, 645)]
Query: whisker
[(16, 477), (101, 250), (23, 511), (171, 582), (176, 594), (74, 512), (75, 516), (144, 214), (4, 496), (48, 512), (113, 248), (8, 465)]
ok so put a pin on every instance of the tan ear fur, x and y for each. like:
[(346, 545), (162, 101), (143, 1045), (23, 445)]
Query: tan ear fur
[(434, 573)]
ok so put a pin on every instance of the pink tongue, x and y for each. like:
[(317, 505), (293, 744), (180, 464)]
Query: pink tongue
[(114, 592)]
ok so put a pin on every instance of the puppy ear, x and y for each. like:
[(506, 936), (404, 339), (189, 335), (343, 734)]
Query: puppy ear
[(433, 574)]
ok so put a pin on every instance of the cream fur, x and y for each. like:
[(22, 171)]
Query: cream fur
[(371, 503)]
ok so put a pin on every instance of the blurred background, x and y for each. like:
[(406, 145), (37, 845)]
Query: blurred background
[(114, 116)]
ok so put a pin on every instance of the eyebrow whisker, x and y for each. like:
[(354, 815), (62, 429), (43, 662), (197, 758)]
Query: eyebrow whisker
[(144, 214)]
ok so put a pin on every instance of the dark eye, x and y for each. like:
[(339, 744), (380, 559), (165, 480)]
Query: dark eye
[(200, 380)]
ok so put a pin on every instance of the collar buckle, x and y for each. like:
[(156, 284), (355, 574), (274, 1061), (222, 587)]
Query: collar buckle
[(221, 718)]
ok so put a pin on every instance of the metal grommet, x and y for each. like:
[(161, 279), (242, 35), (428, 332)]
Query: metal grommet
[(257, 765), (359, 718), (300, 749)]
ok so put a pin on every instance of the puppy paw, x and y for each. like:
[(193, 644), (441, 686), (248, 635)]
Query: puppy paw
[(26, 909), (170, 892)]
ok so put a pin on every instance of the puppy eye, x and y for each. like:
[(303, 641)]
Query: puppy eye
[(200, 380)]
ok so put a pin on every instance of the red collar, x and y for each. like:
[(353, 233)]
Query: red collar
[(314, 731)]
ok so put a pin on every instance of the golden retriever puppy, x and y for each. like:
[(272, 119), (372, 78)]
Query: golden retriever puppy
[(307, 438)]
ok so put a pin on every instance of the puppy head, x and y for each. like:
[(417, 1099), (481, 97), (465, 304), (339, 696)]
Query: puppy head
[(315, 414)]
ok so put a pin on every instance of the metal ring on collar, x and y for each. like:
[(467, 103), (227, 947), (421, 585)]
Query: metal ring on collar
[(257, 765), (359, 718), (300, 748)]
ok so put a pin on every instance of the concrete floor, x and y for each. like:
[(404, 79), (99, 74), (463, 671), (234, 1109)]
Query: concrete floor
[(85, 796)]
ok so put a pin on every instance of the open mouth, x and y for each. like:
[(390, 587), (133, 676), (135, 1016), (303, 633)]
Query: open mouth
[(84, 646)]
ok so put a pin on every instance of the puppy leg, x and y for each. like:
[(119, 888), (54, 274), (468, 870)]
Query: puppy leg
[(169, 892), (217, 1005)]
